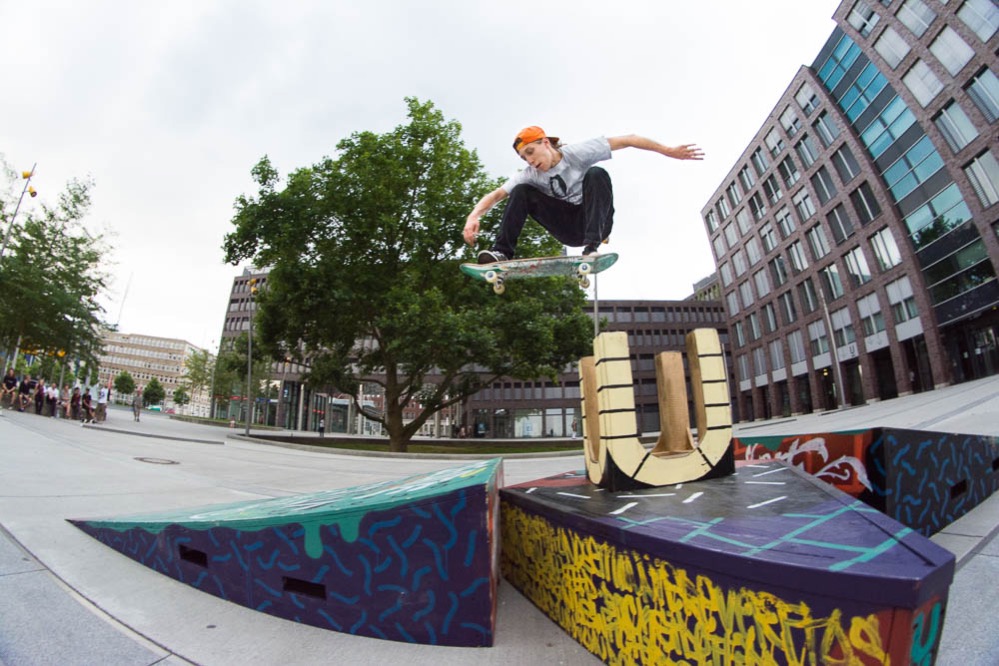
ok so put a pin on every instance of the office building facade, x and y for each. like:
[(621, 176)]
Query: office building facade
[(856, 236)]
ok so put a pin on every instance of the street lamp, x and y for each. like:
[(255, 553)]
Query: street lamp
[(28, 189), (249, 359)]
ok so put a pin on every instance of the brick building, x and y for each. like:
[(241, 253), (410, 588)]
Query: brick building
[(856, 236)]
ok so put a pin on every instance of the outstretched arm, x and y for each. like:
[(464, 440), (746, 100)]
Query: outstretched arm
[(685, 152), (481, 208)]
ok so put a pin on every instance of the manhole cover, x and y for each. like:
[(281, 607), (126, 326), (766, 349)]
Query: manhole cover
[(158, 461)]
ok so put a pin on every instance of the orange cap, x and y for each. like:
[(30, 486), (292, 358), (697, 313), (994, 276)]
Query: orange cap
[(530, 135)]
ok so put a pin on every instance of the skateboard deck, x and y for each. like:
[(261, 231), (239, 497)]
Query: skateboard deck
[(534, 267)]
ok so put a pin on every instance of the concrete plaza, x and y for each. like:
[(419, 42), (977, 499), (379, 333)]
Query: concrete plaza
[(67, 599)]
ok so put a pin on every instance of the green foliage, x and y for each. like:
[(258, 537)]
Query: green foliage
[(124, 384), (198, 368), (51, 274), (181, 396), (364, 282), (154, 393)]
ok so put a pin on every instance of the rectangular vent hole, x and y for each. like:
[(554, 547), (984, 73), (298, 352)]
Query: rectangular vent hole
[(995, 465), (193, 556), (304, 587), (959, 489)]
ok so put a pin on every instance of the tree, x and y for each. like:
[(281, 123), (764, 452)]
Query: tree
[(181, 397), (51, 276), (124, 384), (154, 393), (364, 282), (198, 368)]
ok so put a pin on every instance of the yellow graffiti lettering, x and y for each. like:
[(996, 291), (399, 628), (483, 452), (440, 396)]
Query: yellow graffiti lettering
[(627, 607)]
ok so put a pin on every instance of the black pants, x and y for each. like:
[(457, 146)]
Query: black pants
[(570, 224)]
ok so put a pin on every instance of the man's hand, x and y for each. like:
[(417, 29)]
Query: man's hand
[(686, 152), (471, 229)]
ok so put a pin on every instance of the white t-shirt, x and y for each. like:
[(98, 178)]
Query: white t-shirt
[(564, 181)]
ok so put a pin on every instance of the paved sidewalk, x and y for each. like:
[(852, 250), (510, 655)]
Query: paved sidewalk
[(66, 599)]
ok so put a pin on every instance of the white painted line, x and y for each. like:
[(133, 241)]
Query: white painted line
[(576, 496), (773, 471), (644, 496), (757, 466), (692, 498), (678, 486), (766, 483), (531, 490), (623, 508), (769, 501)]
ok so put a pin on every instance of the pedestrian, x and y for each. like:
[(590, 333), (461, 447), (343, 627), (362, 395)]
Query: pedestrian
[(87, 407), (137, 404), (322, 427), (9, 389), (75, 404), (25, 392), (65, 404), (562, 190), (39, 396), (102, 404), (52, 399)]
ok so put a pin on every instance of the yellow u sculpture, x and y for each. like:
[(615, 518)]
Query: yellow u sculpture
[(615, 458)]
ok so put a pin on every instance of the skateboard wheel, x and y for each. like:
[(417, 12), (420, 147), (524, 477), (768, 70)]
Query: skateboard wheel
[(584, 282), (584, 269), (499, 287), (491, 276)]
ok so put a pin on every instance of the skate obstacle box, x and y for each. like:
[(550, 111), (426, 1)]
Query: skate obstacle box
[(411, 560), (765, 564)]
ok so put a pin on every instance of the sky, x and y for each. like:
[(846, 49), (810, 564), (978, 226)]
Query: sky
[(167, 106)]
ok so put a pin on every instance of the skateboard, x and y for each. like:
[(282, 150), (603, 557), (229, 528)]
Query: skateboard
[(513, 269)]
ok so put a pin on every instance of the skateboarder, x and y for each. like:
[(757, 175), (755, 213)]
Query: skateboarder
[(561, 189)]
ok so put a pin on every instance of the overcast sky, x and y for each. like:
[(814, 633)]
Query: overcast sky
[(167, 106)]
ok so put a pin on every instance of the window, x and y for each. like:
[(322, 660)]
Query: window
[(743, 362), (762, 283), (796, 345), (807, 151), (732, 300), (863, 18), (719, 246), (862, 92), (886, 249), (803, 204), (734, 193), (774, 142), (857, 268), (892, 47), (731, 235), (746, 178), (890, 124), (760, 361), (807, 295), (846, 164), (916, 16), (832, 282), (770, 318), (962, 271), (742, 219), (753, 251), (724, 210), (817, 241), (768, 236), (955, 126), (787, 310), (826, 128), (823, 185), (785, 221), (819, 342), (746, 293), (806, 98), (984, 92), (760, 162), (797, 254), (864, 203), (711, 220), (842, 327), (757, 206), (789, 121), (912, 169), (871, 320), (922, 83), (778, 270), (840, 224), (740, 334), (726, 274), (903, 304), (739, 263), (788, 171), (952, 51), (944, 212), (839, 62), (777, 354), (983, 172), (982, 16), (772, 189)]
